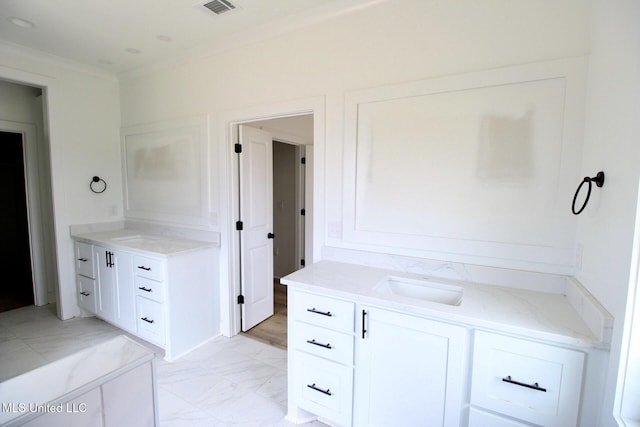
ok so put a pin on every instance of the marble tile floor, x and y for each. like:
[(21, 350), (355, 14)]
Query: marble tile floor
[(235, 381)]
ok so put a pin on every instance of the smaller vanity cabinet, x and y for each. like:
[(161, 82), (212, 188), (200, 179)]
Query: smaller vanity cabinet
[(149, 283), (526, 381), (86, 277), (321, 344), (168, 299)]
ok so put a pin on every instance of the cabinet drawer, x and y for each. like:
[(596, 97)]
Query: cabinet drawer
[(324, 311), (84, 260), (530, 381), (324, 388), (323, 342), (150, 320), (150, 268), (148, 288), (87, 294)]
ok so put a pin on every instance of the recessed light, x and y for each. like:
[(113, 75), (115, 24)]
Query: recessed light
[(133, 51), (164, 38), (21, 22)]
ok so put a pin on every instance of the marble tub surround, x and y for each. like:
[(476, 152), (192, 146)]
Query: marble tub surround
[(228, 381), (71, 376), (549, 316)]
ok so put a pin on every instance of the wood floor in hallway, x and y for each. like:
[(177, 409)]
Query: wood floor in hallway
[(273, 330)]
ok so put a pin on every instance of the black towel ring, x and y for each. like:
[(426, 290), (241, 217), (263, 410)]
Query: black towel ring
[(598, 179), (97, 179)]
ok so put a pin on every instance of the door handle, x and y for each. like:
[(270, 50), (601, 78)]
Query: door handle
[(270, 236)]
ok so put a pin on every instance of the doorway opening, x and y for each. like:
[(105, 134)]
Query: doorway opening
[(15, 247), (272, 182), (28, 221)]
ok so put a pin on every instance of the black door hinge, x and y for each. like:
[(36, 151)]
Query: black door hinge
[(239, 225), (303, 160), (302, 262), (240, 299), (303, 212), (238, 148)]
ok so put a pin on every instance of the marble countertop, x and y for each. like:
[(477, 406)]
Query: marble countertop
[(539, 315), (142, 241), (50, 383)]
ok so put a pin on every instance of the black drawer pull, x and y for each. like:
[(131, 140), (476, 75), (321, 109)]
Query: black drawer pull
[(533, 386), (142, 288), (314, 387), (147, 320), (324, 313), (86, 294), (314, 342), (142, 267), (83, 259)]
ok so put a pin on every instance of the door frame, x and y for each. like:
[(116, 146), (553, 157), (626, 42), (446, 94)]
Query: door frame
[(58, 272), (230, 312), (34, 210)]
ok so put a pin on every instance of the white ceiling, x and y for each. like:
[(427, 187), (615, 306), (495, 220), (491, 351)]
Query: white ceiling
[(100, 32)]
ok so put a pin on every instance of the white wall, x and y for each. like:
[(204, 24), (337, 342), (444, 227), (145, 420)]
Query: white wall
[(393, 42), (83, 130), (612, 136)]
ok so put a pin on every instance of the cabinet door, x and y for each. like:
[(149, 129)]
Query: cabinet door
[(107, 296), (116, 296), (410, 371)]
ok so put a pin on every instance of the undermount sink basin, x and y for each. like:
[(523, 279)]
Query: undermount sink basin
[(421, 289)]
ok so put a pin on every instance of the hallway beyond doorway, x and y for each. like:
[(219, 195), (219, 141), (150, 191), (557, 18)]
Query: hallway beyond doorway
[(273, 331)]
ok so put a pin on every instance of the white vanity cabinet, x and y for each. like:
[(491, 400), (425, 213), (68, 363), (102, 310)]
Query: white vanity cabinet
[(86, 277), (410, 371), (524, 380), (503, 357), (116, 300), (167, 298)]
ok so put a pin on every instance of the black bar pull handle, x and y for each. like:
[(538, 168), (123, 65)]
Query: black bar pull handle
[(147, 320), (86, 294), (142, 288), (534, 386), (83, 259), (364, 329), (142, 267), (323, 313), (314, 342), (316, 388)]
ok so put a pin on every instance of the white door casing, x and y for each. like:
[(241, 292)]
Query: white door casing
[(256, 214)]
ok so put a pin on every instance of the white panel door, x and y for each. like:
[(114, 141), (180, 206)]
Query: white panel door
[(256, 214)]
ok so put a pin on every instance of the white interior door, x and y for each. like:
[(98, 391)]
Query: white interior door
[(256, 214)]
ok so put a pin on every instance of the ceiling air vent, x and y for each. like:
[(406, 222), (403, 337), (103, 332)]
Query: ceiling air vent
[(219, 6)]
